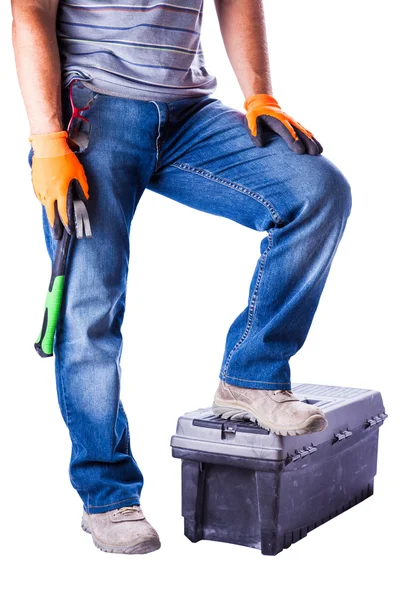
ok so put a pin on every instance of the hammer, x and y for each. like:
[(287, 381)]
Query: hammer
[(45, 342)]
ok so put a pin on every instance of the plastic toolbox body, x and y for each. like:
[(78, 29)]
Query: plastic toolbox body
[(244, 485)]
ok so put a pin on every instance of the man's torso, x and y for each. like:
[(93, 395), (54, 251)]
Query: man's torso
[(140, 49)]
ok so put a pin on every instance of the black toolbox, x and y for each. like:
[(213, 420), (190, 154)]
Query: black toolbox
[(244, 485)]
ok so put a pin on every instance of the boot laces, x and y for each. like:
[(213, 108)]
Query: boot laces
[(286, 392), (126, 510)]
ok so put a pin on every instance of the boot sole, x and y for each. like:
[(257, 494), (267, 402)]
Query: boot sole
[(144, 547), (313, 424)]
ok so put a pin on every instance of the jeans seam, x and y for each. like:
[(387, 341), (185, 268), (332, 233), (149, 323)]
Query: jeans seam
[(158, 133), (234, 185), (64, 399), (60, 360), (112, 503), (127, 443), (255, 380), (252, 305)]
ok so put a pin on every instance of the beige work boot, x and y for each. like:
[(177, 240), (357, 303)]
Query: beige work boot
[(122, 530), (278, 411)]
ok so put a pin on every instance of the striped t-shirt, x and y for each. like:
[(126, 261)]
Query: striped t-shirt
[(143, 49)]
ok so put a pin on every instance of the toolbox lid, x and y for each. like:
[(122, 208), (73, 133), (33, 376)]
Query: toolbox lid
[(345, 408)]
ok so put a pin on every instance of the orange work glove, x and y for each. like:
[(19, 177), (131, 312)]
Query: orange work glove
[(263, 113), (58, 178)]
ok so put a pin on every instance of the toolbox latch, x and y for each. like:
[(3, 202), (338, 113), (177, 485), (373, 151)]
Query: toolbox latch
[(376, 420), (297, 454), (228, 430), (342, 435)]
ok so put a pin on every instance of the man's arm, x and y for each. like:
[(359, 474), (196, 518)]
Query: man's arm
[(55, 168), (38, 62), (243, 31)]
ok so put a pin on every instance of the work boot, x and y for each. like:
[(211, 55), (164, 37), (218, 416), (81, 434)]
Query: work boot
[(278, 411), (122, 530)]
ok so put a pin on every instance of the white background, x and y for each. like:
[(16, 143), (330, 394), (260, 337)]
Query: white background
[(335, 69)]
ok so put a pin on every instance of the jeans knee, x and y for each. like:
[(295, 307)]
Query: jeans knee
[(337, 191), (341, 192), (327, 189)]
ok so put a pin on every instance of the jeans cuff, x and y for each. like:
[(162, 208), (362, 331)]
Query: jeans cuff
[(92, 510), (254, 384)]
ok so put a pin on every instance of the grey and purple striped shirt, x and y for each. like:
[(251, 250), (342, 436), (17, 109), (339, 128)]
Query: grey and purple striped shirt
[(141, 49)]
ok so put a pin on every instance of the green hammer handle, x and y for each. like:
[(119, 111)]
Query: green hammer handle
[(45, 342)]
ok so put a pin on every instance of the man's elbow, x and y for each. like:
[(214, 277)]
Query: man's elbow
[(24, 11), (31, 16)]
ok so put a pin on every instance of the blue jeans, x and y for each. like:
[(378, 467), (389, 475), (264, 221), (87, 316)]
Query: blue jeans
[(195, 151)]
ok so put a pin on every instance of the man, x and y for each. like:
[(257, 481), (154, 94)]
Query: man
[(136, 70)]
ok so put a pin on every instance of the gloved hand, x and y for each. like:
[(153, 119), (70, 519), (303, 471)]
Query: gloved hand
[(263, 111), (58, 178)]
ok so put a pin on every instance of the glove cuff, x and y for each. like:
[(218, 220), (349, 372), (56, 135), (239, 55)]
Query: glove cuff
[(49, 145), (260, 99)]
